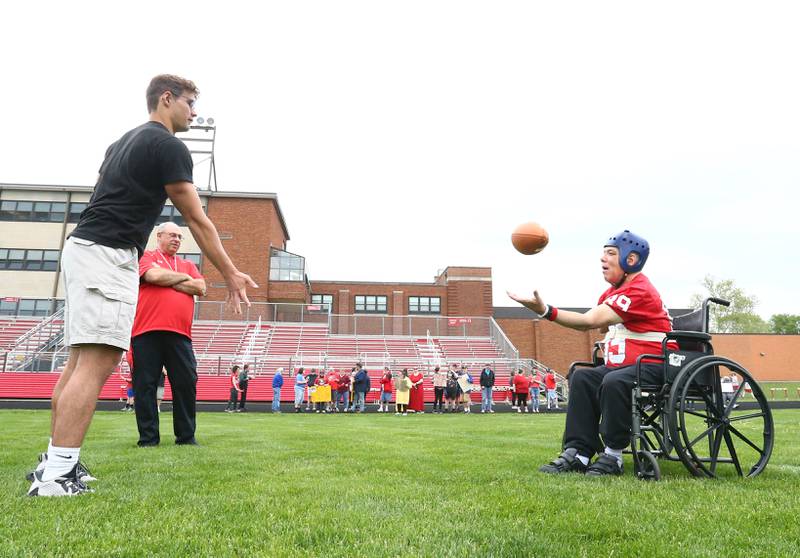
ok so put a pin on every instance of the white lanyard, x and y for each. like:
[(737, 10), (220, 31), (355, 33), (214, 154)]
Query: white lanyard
[(173, 266)]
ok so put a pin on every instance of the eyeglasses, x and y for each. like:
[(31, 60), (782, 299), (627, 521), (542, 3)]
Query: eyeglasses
[(190, 102)]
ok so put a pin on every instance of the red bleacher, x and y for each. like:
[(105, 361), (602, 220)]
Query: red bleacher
[(268, 346), (12, 328)]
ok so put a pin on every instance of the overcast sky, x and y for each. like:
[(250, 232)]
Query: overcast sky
[(403, 137)]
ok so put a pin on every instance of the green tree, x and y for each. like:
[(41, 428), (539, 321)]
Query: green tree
[(739, 317), (784, 323)]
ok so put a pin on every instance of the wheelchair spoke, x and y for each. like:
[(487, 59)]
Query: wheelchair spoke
[(746, 440), (717, 442), (705, 434), (745, 417), (711, 407), (736, 396), (732, 451), (695, 414)]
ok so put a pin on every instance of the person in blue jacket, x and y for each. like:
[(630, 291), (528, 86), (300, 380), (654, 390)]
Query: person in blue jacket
[(360, 388), (277, 384)]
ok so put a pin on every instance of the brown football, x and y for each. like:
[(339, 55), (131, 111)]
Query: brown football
[(529, 238)]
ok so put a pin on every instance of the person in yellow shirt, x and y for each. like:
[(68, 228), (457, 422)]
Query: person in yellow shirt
[(402, 393)]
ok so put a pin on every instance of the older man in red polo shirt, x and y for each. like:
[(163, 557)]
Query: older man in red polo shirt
[(162, 336)]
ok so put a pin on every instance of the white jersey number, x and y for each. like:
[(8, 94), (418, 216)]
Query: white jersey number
[(620, 300), (615, 351)]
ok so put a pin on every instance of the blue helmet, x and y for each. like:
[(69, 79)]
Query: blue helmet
[(627, 242)]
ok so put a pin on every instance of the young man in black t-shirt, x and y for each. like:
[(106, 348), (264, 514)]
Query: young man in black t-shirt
[(141, 170)]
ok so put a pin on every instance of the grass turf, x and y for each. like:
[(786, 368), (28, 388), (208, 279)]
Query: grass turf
[(380, 485)]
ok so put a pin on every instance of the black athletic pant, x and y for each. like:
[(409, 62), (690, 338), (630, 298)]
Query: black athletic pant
[(438, 394), (151, 351), (243, 396), (600, 404)]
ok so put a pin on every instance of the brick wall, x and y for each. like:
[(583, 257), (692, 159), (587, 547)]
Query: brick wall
[(248, 227), (767, 357)]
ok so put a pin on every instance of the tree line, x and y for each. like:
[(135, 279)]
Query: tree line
[(740, 316)]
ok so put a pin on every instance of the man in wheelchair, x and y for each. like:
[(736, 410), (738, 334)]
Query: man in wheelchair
[(600, 397)]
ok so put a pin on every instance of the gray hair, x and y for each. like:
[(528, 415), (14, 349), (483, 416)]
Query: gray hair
[(162, 226)]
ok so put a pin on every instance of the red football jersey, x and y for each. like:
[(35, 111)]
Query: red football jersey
[(643, 316), (164, 308)]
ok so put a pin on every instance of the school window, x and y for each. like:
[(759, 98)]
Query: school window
[(285, 266), (194, 258), (75, 210), (424, 305), (171, 213), (42, 212), (28, 260), (12, 306), (371, 303), (322, 299)]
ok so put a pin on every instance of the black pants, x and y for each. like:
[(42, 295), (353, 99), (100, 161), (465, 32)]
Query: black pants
[(232, 400), (243, 395), (600, 405), (522, 399), (173, 351), (438, 394)]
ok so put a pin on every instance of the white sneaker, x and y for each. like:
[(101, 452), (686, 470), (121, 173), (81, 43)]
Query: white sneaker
[(67, 485), (519, 410), (39, 467), (81, 472)]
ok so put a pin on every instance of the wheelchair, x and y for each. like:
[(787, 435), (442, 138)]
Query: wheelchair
[(688, 418)]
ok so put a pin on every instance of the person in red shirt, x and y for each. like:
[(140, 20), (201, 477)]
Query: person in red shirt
[(235, 389), (162, 337), (600, 398), (127, 389), (416, 403), (332, 379), (550, 390), (386, 391), (521, 385)]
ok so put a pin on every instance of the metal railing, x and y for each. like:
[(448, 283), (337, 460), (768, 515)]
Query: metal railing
[(503, 343), (266, 311), (34, 349), (413, 326)]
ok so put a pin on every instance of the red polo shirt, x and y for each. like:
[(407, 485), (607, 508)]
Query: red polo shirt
[(164, 308)]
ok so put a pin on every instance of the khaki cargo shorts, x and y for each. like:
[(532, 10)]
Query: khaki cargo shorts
[(101, 288)]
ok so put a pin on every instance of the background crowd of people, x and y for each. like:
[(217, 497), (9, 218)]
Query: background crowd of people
[(343, 391)]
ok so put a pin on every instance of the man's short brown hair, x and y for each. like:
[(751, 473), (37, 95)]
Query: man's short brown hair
[(167, 82)]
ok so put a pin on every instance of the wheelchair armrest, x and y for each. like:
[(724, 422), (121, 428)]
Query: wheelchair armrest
[(639, 360), (688, 335)]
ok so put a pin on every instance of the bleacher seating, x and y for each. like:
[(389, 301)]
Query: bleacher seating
[(219, 344), (12, 328)]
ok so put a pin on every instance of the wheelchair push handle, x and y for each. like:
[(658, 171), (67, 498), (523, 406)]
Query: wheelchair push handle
[(719, 301)]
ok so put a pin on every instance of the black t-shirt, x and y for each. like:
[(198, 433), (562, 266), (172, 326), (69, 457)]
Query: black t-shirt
[(130, 194)]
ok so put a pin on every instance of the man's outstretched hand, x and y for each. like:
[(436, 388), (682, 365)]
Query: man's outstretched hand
[(534, 302), (237, 290)]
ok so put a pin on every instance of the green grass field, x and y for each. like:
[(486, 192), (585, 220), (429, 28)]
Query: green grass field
[(791, 393), (380, 485)]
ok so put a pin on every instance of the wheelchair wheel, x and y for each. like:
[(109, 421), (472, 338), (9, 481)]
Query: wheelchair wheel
[(645, 466), (709, 430)]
